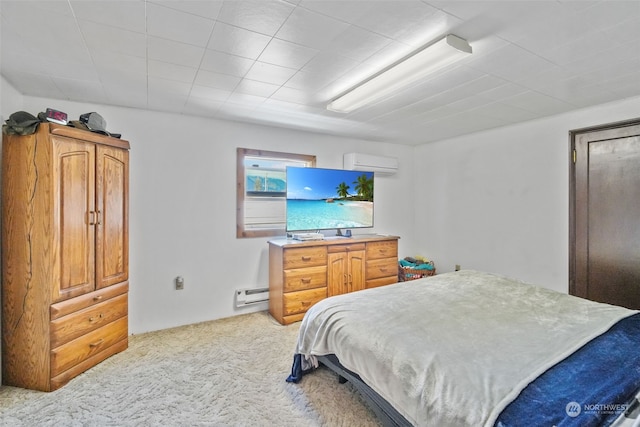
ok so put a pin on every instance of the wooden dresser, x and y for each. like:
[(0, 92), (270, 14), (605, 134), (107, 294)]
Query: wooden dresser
[(65, 251), (303, 273)]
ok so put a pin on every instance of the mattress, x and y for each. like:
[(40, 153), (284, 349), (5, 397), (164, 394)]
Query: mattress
[(454, 349)]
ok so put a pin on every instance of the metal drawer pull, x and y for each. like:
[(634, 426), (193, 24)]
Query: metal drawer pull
[(96, 344)]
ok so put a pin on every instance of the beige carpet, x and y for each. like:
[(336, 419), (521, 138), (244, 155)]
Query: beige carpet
[(229, 372)]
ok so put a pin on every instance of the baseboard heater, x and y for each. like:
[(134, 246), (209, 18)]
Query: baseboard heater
[(246, 297)]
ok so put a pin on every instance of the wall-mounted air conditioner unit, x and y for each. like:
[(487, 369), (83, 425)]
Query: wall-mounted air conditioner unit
[(368, 162)]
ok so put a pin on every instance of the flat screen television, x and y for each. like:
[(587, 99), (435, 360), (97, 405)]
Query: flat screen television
[(324, 199)]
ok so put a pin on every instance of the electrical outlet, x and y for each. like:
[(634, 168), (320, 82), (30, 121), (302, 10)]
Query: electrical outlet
[(179, 283), (457, 267)]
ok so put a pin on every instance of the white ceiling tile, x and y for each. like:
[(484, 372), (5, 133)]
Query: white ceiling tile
[(311, 81), (287, 54), (209, 93), (82, 90), (330, 64), (124, 65), (225, 63), (174, 52), (237, 41), (538, 103), (244, 99), (346, 11), (252, 87), (256, 15), (22, 12), (125, 14), (357, 43), (68, 70), (128, 93), (178, 26), (402, 20), (159, 86), (207, 9), (34, 84), (217, 80), (165, 70), (310, 29), (166, 101), (288, 94), (269, 73), (104, 37), (606, 14), (506, 90), (201, 107)]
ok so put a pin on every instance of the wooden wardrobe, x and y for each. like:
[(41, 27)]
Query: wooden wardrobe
[(65, 254)]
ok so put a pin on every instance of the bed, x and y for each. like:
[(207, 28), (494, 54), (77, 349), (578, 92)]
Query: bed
[(477, 349)]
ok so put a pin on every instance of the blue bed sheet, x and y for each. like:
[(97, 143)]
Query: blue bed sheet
[(592, 387)]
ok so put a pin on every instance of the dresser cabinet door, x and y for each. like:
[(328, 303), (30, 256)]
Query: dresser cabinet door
[(337, 274), (112, 211), (73, 230)]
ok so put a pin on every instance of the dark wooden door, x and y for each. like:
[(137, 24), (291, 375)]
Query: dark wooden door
[(606, 215)]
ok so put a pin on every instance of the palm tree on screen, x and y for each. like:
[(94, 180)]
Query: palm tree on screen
[(342, 190)]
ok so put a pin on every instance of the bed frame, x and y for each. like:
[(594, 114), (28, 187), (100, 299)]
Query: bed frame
[(384, 411)]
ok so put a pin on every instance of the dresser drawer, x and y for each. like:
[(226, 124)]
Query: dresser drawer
[(299, 302), (386, 267), (305, 278), (386, 249), (74, 352), (346, 248), (381, 281), (71, 326), (304, 257)]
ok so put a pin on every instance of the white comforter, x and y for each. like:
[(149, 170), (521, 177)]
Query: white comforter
[(452, 349)]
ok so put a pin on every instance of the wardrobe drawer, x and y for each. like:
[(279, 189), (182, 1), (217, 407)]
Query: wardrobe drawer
[(386, 249), (382, 268), (305, 278), (73, 325), (304, 257), (80, 349), (298, 302), (72, 305)]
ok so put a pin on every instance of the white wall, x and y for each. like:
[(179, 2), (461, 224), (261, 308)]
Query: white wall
[(499, 200), (183, 201)]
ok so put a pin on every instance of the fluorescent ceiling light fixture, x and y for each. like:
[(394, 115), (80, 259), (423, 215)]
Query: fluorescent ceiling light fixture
[(424, 61)]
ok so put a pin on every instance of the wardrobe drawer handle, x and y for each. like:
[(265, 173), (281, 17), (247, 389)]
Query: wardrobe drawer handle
[(97, 298), (96, 344), (94, 318), (306, 258), (306, 280)]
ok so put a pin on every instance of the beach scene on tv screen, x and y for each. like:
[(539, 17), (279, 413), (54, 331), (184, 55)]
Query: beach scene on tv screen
[(321, 199)]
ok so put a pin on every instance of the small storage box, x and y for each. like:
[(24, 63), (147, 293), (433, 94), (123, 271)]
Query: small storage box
[(406, 273)]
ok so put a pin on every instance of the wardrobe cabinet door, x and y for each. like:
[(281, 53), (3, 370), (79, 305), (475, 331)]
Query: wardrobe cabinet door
[(73, 229), (112, 208)]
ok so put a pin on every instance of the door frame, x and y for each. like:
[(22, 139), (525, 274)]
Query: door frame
[(573, 135)]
